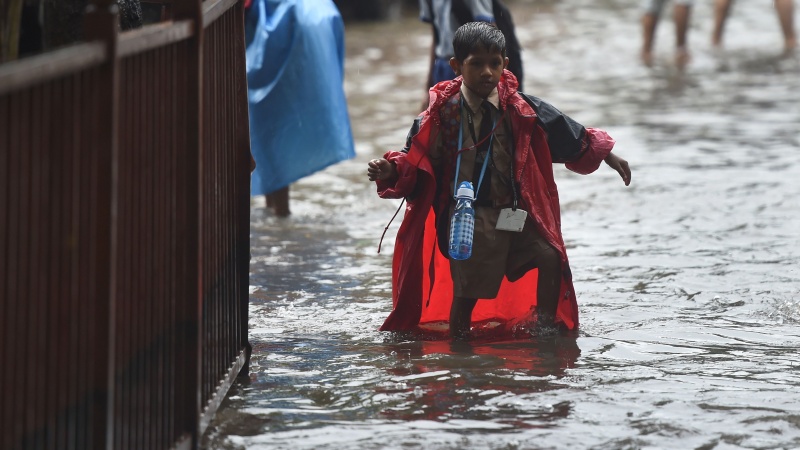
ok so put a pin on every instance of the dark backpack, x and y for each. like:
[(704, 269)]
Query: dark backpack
[(505, 23)]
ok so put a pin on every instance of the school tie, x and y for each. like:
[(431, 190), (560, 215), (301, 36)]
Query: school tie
[(482, 152)]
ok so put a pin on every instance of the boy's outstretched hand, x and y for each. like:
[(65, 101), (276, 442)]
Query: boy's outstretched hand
[(621, 166), (380, 169)]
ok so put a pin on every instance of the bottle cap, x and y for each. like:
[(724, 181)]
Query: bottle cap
[(465, 190)]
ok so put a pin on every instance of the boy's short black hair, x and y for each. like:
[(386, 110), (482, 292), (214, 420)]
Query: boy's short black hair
[(475, 35)]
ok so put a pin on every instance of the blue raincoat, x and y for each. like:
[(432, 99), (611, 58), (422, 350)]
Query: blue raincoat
[(295, 72)]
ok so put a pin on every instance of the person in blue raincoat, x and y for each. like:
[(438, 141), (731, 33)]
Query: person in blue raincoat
[(299, 122)]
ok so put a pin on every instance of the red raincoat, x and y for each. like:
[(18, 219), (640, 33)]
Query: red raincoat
[(422, 289)]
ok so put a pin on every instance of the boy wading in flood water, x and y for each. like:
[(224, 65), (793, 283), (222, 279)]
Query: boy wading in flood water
[(478, 128)]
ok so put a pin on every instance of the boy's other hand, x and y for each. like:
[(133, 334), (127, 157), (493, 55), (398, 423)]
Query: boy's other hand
[(621, 166), (380, 169)]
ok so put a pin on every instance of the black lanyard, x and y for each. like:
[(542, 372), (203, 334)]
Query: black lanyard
[(485, 161)]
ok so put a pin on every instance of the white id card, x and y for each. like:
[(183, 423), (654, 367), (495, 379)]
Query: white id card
[(511, 220)]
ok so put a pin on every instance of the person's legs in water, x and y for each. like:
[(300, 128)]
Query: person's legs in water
[(721, 10), (279, 201), (681, 14), (652, 11), (461, 317), (785, 9)]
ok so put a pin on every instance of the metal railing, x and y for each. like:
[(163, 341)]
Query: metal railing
[(124, 232)]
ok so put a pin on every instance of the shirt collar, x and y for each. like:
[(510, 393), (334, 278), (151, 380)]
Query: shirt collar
[(474, 100)]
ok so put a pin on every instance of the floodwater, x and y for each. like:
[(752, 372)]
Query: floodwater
[(688, 280)]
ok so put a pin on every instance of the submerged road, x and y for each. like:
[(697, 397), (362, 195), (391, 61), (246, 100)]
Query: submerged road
[(688, 281)]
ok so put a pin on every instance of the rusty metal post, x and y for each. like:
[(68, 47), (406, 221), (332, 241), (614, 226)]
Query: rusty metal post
[(101, 23), (190, 308), (243, 187)]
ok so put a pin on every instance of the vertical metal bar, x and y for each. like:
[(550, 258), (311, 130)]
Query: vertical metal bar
[(5, 313), (185, 300), (154, 295), (49, 110), (225, 150), (218, 218), (192, 311), (60, 237), (86, 154), (160, 439), (74, 299), (15, 340), (174, 432), (182, 355), (136, 254), (243, 159), (146, 249), (220, 267), (82, 157), (37, 295), (96, 256), (122, 267), (101, 23), (126, 242), (232, 318), (212, 256), (54, 240), (167, 255), (23, 260), (219, 209), (226, 203)]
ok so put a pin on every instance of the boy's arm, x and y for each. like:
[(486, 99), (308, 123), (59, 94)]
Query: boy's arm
[(596, 145), (621, 166), (581, 149), (394, 175)]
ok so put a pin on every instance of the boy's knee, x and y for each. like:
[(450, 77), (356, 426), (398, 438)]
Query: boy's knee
[(549, 260)]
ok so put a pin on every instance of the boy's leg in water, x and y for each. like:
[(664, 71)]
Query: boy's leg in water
[(532, 251), (721, 10), (785, 9), (681, 14), (548, 287), (460, 317)]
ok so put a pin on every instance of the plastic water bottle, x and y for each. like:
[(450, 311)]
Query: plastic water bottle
[(462, 225)]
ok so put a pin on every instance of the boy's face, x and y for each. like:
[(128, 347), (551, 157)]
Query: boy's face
[(481, 70)]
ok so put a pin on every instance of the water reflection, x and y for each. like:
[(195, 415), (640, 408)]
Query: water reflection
[(480, 381)]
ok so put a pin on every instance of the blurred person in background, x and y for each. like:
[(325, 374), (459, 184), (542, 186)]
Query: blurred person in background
[(62, 20), (445, 16), (28, 27), (299, 123), (680, 14), (784, 8)]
